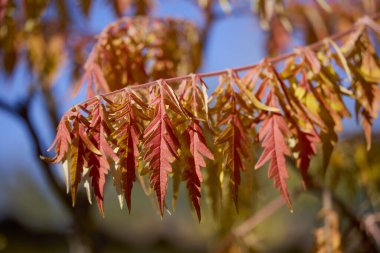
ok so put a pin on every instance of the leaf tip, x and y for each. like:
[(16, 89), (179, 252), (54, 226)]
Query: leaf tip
[(73, 196), (121, 203), (199, 216)]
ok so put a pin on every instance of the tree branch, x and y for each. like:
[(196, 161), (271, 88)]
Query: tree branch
[(22, 112), (83, 225), (352, 217), (249, 224), (268, 210), (370, 222), (363, 21)]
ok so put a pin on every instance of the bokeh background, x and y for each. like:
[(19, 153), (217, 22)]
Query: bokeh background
[(33, 219)]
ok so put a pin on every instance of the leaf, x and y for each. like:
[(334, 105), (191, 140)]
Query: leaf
[(213, 184), (341, 57), (308, 96), (161, 145), (128, 139), (365, 89), (194, 99), (76, 161), (272, 135), (367, 96), (177, 177), (129, 164), (66, 174), (310, 58), (98, 164), (367, 128), (73, 156), (61, 141), (235, 140), (117, 181), (253, 99), (353, 39), (86, 184), (328, 134), (231, 133), (324, 5), (198, 150), (195, 140), (306, 148)]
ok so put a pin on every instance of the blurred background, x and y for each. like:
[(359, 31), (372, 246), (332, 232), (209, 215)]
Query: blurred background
[(43, 47)]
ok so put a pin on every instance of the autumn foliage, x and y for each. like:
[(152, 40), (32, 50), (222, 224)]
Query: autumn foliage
[(286, 108)]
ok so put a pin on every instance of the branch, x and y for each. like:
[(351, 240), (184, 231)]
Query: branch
[(209, 21), (268, 210), (354, 220), (248, 225), (83, 225), (370, 222), (366, 21), (22, 112), (51, 105)]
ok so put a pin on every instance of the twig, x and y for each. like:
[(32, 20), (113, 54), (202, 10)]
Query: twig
[(247, 226), (259, 217)]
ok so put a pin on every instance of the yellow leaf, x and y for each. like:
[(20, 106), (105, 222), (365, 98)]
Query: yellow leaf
[(342, 58), (254, 100)]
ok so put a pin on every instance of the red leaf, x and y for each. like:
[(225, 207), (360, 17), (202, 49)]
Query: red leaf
[(61, 141), (272, 133), (127, 135), (99, 165), (193, 174), (130, 164), (77, 158), (161, 145), (306, 146)]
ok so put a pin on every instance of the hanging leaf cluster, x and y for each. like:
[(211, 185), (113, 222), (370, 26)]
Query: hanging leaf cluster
[(137, 50), (149, 47), (27, 30), (171, 128)]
